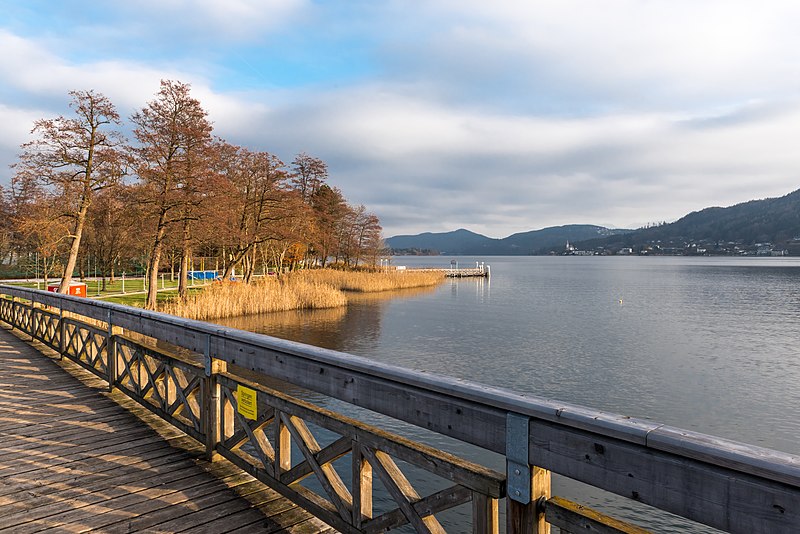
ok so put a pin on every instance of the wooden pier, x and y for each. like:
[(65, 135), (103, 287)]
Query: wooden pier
[(72, 461), (483, 271)]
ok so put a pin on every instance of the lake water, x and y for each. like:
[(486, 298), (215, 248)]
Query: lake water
[(707, 344)]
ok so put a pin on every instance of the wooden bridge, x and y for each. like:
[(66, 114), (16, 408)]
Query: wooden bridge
[(74, 458), (197, 404)]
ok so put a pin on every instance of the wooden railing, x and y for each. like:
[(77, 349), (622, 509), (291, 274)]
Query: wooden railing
[(199, 386)]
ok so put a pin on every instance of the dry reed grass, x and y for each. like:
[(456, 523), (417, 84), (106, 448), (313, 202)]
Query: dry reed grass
[(312, 289), (264, 296), (370, 282)]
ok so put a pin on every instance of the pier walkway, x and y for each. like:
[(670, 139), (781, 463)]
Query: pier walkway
[(73, 459), (456, 272)]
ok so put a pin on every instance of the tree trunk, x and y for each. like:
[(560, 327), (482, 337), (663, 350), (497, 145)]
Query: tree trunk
[(152, 277), (226, 274), (66, 278), (44, 271), (183, 277), (152, 265), (251, 267)]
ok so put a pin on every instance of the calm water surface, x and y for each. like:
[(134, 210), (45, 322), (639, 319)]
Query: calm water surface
[(707, 344)]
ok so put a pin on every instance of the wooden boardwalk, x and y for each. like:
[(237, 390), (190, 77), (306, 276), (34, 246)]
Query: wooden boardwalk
[(74, 458)]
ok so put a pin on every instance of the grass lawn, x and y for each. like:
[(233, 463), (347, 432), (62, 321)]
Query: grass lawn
[(132, 294)]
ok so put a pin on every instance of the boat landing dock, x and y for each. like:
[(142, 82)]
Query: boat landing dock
[(481, 271)]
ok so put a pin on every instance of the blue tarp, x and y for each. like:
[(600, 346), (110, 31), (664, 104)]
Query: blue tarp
[(203, 275)]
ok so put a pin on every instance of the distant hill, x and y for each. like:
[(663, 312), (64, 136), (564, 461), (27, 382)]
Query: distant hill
[(536, 241), (770, 220), (465, 242), (460, 241), (717, 230)]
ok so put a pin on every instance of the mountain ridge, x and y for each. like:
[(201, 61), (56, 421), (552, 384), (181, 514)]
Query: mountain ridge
[(774, 221), (466, 242)]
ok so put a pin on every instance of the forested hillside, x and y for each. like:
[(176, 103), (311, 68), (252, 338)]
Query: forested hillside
[(469, 243), (774, 221)]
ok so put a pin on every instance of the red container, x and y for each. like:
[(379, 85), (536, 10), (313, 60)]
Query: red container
[(77, 289)]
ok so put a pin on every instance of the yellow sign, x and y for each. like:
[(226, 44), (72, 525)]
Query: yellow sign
[(248, 406)]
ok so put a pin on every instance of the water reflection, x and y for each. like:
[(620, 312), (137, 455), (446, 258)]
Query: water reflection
[(357, 324), (315, 327)]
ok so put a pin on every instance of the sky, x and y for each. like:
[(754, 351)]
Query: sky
[(499, 117)]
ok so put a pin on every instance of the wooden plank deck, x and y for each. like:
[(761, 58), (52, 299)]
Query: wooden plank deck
[(74, 458)]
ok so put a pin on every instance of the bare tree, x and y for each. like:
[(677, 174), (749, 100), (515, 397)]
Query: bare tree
[(76, 157), (110, 233), (173, 133), (308, 175), (368, 239), (254, 201), (37, 227), (6, 227), (330, 210), (287, 237)]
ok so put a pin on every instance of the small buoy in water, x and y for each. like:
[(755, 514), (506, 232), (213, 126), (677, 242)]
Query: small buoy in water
[(620, 301)]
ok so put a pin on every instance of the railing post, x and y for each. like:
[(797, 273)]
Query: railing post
[(111, 354), (210, 411), (33, 320), (212, 402), (527, 485), (62, 330)]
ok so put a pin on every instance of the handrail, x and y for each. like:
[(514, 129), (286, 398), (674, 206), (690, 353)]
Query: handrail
[(722, 483)]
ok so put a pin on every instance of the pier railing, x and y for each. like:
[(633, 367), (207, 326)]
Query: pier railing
[(210, 390)]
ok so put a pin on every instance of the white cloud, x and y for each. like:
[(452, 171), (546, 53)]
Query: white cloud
[(230, 20), (626, 54), (16, 125), (34, 72), (499, 117), (428, 159)]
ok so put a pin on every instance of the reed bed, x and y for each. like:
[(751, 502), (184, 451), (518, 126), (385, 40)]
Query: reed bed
[(370, 282), (302, 290), (264, 296)]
